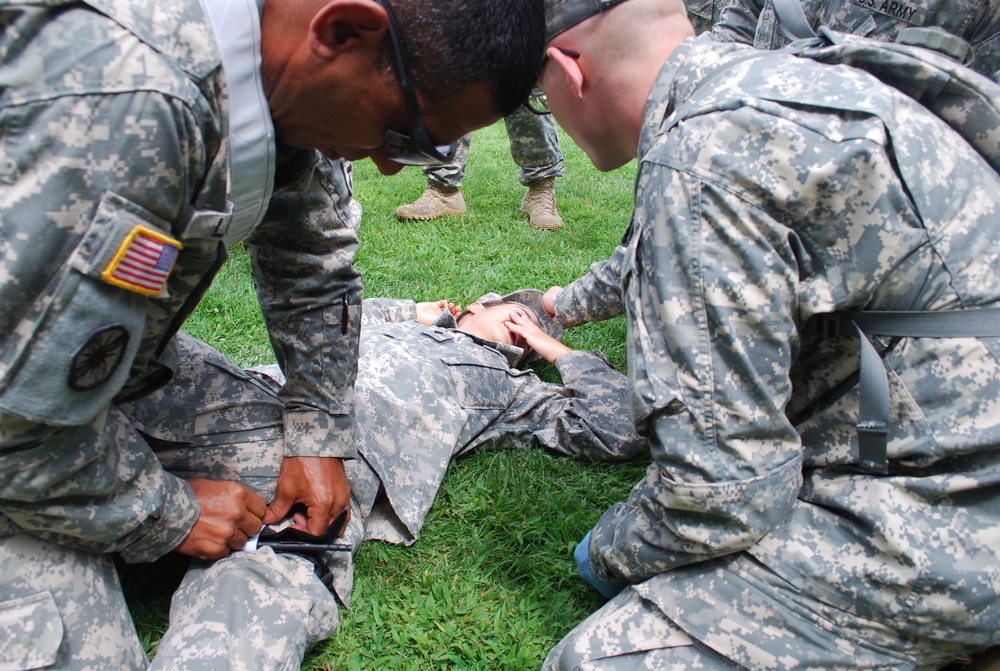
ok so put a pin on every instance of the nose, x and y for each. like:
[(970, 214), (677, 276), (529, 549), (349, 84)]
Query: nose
[(385, 166)]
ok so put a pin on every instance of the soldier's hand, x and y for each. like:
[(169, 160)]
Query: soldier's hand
[(230, 513), (319, 484), (549, 300), (430, 311), (538, 340)]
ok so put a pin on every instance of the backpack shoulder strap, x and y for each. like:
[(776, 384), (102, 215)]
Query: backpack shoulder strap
[(927, 65), (873, 410), (792, 19)]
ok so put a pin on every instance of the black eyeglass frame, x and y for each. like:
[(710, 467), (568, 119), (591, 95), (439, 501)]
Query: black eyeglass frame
[(537, 103), (417, 147)]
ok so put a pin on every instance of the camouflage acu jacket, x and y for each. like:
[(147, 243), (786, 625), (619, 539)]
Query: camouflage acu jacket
[(426, 395), (113, 208), (772, 191)]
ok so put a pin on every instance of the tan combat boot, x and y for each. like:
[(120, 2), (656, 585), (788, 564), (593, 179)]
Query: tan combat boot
[(435, 202), (540, 205)]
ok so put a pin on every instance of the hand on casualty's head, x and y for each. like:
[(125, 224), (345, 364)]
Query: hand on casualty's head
[(549, 300), (527, 330)]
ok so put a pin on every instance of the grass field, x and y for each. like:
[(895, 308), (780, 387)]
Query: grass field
[(491, 584)]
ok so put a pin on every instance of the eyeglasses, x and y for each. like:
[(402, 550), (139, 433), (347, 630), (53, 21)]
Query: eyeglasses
[(537, 102), (416, 148)]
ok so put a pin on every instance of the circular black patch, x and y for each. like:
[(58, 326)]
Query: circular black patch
[(96, 360)]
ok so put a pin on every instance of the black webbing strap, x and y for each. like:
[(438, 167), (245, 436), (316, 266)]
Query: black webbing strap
[(873, 411)]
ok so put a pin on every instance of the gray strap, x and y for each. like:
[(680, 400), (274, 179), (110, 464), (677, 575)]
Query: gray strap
[(973, 323), (792, 19), (873, 411)]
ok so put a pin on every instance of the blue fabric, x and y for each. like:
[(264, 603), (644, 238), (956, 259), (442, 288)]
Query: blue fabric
[(607, 588)]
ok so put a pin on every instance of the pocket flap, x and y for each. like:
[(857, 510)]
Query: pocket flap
[(32, 630)]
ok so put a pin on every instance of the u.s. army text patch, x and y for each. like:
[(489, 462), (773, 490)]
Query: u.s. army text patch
[(910, 12)]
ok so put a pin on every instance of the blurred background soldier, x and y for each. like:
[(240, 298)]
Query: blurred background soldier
[(534, 146), (977, 22)]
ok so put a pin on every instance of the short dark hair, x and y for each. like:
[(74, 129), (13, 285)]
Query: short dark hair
[(454, 44)]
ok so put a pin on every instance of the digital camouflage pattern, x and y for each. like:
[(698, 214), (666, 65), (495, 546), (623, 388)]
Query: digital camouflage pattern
[(426, 395), (534, 146), (772, 191), (704, 14), (754, 22), (113, 142)]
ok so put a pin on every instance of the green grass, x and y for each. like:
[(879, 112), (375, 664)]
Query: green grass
[(491, 584)]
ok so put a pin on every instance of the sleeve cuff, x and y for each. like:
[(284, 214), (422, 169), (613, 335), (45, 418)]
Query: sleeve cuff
[(181, 511), (578, 362), (567, 313), (318, 434)]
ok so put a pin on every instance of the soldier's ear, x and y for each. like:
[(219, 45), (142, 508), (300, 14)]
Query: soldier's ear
[(569, 66), (474, 307), (343, 25)]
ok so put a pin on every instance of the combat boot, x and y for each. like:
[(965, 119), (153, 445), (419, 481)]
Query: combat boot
[(436, 201), (540, 205)]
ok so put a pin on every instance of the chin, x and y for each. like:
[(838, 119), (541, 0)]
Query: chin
[(606, 163)]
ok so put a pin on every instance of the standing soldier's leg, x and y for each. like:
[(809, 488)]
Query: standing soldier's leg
[(443, 195), (534, 145)]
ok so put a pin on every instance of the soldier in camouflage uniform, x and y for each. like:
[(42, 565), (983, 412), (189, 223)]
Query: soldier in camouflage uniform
[(534, 145), (975, 21), (772, 192), (431, 388), (120, 188)]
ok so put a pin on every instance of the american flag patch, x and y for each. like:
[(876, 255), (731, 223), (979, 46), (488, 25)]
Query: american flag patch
[(143, 262)]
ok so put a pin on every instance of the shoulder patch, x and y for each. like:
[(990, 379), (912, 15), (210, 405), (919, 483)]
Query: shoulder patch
[(143, 261), (95, 361)]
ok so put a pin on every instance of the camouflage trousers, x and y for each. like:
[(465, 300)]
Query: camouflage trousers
[(534, 146), (62, 608), (734, 613)]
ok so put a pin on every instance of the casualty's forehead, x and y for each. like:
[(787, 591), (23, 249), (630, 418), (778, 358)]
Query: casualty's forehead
[(527, 310)]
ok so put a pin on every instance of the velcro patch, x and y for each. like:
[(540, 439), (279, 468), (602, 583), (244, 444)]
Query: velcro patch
[(909, 12), (143, 261)]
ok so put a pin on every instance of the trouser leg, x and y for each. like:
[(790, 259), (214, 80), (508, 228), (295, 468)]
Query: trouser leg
[(735, 613), (630, 634), (534, 145), (62, 609), (251, 610), (449, 175)]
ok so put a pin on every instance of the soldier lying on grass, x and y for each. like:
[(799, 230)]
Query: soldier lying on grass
[(434, 383)]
